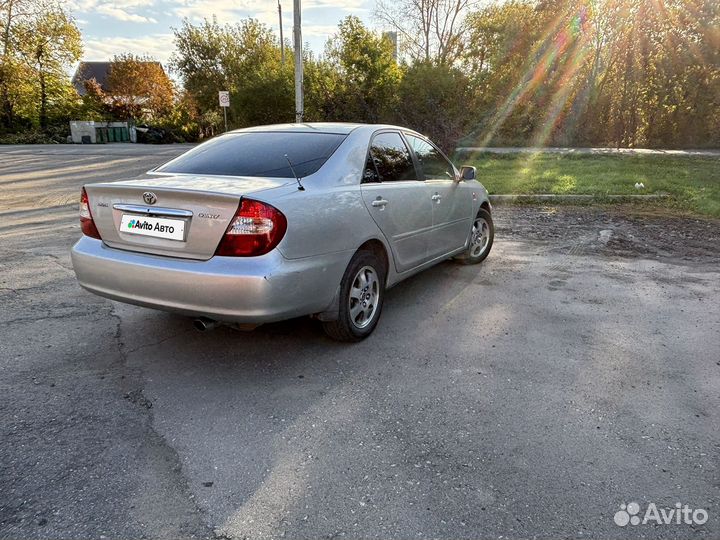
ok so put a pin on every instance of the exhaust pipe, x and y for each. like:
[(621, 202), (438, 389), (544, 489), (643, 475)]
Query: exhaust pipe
[(204, 324)]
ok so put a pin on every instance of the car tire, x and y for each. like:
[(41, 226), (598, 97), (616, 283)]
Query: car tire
[(482, 235), (362, 292)]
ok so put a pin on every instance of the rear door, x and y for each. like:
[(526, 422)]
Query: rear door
[(397, 199), (451, 201)]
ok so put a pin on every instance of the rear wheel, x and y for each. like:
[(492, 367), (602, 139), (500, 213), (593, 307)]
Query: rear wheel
[(362, 292), (482, 235)]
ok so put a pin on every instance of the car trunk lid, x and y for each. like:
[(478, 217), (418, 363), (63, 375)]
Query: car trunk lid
[(176, 216)]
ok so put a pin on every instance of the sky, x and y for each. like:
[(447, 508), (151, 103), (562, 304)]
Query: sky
[(111, 27)]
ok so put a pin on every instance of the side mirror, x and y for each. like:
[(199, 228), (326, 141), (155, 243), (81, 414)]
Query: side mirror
[(468, 173)]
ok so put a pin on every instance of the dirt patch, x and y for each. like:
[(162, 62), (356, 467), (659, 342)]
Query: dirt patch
[(620, 231)]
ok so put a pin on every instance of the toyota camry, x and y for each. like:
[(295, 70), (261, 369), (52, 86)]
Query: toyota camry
[(274, 222)]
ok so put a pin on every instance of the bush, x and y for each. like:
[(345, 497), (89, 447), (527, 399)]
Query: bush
[(52, 135), (159, 135), (437, 102)]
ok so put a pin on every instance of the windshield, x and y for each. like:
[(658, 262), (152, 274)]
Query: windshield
[(258, 154)]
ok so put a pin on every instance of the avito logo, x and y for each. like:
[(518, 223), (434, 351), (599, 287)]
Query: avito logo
[(681, 514), (139, 224)]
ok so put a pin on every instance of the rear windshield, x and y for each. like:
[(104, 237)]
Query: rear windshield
[(258, 154)]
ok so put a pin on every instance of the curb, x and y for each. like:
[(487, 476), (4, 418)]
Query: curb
[(597, 151), (549, 197)]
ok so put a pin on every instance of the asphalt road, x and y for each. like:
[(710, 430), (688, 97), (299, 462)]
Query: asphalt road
[(528, 397)]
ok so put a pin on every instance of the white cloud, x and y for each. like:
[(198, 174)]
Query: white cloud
[(224, 10), (105, 41), (121, 10), (158, 46), (126, 4), (345, 5), (229, 10), (122, 15), (270, 18), (318, 30), (90, 5), (81, 5)]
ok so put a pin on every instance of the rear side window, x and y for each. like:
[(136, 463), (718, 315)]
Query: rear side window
[(258, 154), (432, 162), (389, 160)]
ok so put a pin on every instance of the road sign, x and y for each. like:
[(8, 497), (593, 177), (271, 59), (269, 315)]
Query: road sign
[(224, 98)]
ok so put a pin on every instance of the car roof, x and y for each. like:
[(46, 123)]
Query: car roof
[(343, 128)]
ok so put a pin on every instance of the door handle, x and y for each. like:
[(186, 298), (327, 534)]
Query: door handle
[(436, 197), (379, 203)]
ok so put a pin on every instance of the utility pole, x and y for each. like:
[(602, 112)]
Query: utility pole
[(297, 38), (282, 41)]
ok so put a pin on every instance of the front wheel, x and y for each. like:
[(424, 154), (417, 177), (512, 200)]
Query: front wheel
[(482, 235), (362, 292)]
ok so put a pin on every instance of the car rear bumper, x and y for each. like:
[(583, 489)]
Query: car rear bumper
[(235, 289)]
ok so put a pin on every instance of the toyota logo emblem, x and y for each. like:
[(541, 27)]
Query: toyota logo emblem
[(149, 197)]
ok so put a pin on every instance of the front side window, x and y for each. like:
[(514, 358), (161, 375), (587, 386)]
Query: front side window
[(432, 162), (389, 160), (258, 153)]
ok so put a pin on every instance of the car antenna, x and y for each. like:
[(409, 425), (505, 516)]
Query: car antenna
[(300, 186)]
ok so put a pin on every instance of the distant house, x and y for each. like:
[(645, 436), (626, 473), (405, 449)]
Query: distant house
[(88, 71), (99, 71)]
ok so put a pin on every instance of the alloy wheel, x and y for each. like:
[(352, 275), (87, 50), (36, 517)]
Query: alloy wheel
[(364, 296), (479, 237)]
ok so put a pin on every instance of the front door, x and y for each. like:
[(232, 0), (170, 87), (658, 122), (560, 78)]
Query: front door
[(451, 200), (397, 199)]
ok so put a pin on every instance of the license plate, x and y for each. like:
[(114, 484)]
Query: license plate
[(170, 229)]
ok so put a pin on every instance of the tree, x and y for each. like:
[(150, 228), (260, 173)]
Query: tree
[(436, 101), (10, 12), (244, 59), (138, 87), (651, 76), (429, 30), (48, 44), (606, 72), (368, 73), (40, 41), (261, 85), (590, 72), (322, 84), (501, 57), (95, 103), (185, 121)]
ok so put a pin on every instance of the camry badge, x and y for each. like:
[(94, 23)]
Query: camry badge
[(149, 197)]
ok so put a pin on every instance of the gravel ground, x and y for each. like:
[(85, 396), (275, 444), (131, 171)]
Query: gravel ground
[(614, 231)]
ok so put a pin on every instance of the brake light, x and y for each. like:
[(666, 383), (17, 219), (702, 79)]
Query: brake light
[(86, 220), (255, 229)]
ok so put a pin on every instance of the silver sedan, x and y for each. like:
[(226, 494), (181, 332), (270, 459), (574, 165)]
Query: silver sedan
[(274, 222)]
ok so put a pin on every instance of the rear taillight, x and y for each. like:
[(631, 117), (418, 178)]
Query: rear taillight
[(86, 220), (256, 229)]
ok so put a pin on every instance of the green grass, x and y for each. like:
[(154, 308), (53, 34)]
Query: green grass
[(693, 183)]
